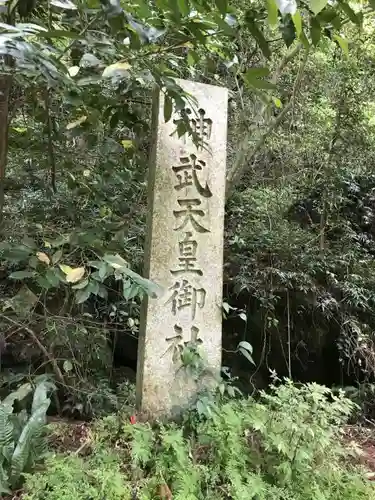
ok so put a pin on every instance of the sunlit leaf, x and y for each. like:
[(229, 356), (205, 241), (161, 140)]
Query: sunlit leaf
[(76, 123), (272, 12), (246, 345), (43, 258), (63, 4), (287, 6), (343, 42), (75, 275), (73, 71), (127, 143), (118, 68), (317, 5), (65, 269), (297, 20)]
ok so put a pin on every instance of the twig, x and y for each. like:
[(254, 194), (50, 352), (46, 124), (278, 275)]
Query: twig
[(51, 152), (34, 336), (243, 162)]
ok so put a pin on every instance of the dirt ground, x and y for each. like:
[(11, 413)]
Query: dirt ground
[(362, 441)]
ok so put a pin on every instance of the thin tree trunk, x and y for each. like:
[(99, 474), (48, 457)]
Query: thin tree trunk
[(246, 156), (51, 151), (5, 86)]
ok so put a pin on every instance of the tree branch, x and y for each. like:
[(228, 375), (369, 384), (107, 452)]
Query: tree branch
[(245, 158)]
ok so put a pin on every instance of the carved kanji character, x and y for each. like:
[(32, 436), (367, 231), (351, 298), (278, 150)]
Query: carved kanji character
[(188, 256), (186, 174), (188, 213), (185, 295)]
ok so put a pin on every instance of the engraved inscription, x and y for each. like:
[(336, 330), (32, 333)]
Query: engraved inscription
[(179, 336), (201, 126), (186, 296), (188, 256), (186, 174), (188, 213)]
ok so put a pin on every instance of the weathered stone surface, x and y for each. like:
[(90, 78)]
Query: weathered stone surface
[(183, 251)]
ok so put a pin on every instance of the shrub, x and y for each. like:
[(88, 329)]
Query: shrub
[(286, 445)]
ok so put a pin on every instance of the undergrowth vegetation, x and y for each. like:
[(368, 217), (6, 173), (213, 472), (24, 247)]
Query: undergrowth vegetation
[(284, 445)]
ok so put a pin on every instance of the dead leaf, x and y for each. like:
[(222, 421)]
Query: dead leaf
[(75, 275), (43, 258), (76, 123)]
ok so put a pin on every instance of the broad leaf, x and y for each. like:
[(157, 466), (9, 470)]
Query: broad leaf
[(272, 9), (317, 5), (75, 275), (20, 275), (63, 4), (42, 257), (168, 108)]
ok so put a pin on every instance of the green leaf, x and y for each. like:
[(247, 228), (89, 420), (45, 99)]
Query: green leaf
[(317, 5), (183, 7), (29, 242), (246, 345), (272, 13), (82, 295), (247, 355), (168, 108), (350, 12), (288, 32), (259, 38), (344, 44), (297, 20), (222, 5), (277, 102), (57, 256), (81, 284), (52, 277), (192, 58), (116, 261), (20, 275), (315, 31), (257, 72), (68, 366)]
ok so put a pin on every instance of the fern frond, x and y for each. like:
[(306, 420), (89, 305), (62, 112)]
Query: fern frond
[(6, 427), (22, 451)]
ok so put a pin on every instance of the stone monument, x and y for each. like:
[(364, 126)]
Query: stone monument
[(184, 249)]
